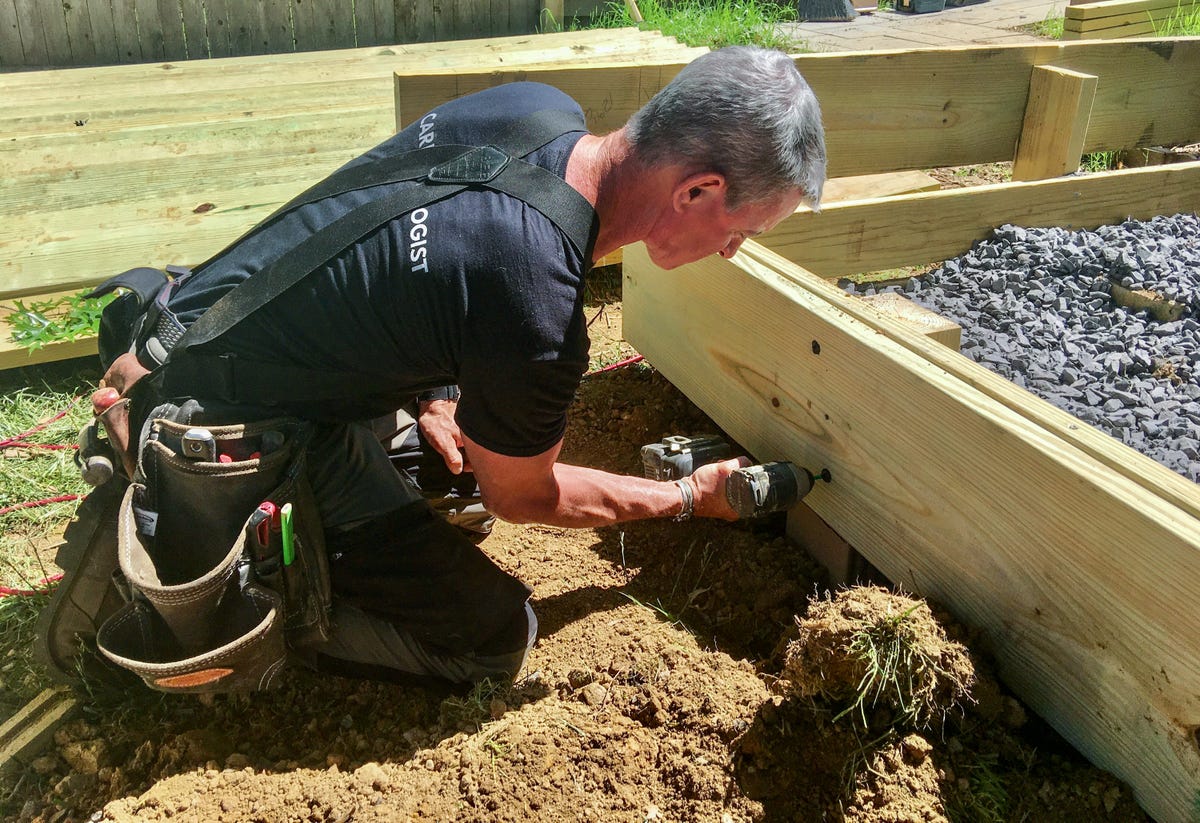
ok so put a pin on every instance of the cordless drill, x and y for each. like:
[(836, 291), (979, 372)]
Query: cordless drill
[(751, 491)]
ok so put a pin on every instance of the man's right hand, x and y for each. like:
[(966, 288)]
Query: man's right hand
[(708, 488)]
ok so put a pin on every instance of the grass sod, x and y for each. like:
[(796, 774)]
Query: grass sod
[(715, 23)]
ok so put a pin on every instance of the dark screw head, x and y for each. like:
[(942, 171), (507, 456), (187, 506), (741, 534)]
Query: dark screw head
[(816, 347)]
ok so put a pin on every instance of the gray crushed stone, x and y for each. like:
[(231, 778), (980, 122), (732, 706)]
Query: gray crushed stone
[(1036, 306)]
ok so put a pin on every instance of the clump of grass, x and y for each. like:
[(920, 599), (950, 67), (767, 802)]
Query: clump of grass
[(882, 656), (1099, 161), (715, 23), (1051, 26), (476, 707), (1183, 22), (983, 799), (20, 675)]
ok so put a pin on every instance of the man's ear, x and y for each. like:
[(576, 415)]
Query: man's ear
[(695, 189)]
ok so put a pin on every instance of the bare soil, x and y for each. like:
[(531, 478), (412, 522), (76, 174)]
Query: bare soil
[(656, 692)]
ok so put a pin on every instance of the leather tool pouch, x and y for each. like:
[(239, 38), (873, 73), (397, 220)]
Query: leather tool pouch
[(214, 606)]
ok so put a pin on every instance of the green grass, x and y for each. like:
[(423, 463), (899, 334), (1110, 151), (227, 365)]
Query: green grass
[(1099, 161), (714, 23), (1183, 22), (1051, 27), (31, 474), (29, 397)]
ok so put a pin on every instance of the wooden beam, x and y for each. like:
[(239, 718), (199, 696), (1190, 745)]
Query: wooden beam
[(1019, 532), (919, 109), (918, 318), (1110, 8), (1055, 124), (27, 731), (886, 233)]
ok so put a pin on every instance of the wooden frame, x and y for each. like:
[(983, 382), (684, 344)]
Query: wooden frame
[(1082, 579), (1055, 124)]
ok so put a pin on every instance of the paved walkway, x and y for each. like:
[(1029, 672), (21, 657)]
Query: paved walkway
[(993, 21)]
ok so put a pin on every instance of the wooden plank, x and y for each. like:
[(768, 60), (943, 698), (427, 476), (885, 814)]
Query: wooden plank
[(1056, 123), (304, 25), (900, 309), (1089, 11), (1020, 533), (913, 229), (124, 17), (865, 186), (892, 110), (78, 21), (608, 94), (195, 29), (274, 27), (58, 42), (24, 734), (11, 53), (1124, 19), (243, 26), (33, 38), (171, 26), (1114, 32), (385, 22), (333, 24), (150, 27), (104, 35)]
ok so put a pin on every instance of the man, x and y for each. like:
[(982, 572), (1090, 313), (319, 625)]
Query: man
[(479, 293)]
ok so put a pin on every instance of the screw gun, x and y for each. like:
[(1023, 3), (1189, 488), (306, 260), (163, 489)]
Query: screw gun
[(751, 491)]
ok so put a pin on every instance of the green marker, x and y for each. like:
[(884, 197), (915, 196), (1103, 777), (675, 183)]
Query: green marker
[(288, 535)]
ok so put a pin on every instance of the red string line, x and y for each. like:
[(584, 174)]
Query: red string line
[(44, 586), (32, 504), (9, 441), (627, 362)]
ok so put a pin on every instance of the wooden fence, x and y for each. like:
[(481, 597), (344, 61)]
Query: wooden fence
[(104, 32)]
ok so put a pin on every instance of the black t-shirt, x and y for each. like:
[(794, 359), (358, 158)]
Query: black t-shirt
[(480, 289)]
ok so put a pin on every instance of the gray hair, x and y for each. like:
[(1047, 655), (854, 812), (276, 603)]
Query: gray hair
[(744, 112)]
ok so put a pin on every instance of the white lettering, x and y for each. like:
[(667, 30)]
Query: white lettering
[(426, 135), (418, 254)]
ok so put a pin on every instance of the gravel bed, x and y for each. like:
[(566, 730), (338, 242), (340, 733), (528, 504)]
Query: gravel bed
[(1049, 309)]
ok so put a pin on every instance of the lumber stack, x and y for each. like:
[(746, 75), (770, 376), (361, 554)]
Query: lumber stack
[(1110, 19), (113, 167), (1082, 576)]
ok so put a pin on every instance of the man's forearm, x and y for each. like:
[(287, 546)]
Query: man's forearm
[(581, 497)]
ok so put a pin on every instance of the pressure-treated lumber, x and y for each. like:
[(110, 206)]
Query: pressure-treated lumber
[(919, 109), (110, 168), (1056, 558), (918, 318), (1120, 18), (848, 238), (23, 734), (1055, 124)]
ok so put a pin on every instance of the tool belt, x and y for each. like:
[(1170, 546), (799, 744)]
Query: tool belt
[(220, 584)]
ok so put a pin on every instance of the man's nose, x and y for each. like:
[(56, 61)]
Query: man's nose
[(731, 247)]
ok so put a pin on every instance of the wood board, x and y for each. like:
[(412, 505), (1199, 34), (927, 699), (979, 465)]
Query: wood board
[(121, 166), (1055, 557), (916, 109)]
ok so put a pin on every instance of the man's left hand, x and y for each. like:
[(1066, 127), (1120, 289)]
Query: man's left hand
[(436, 421)]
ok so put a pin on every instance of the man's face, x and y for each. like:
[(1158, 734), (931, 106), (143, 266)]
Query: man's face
[(699, 225)]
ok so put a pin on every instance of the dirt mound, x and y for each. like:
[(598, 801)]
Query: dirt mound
[(882, 653)]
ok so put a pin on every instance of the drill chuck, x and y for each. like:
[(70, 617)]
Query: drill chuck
[(770, 487)]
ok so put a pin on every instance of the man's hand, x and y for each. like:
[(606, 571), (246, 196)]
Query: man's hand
[(708, 488), (436, 421)]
